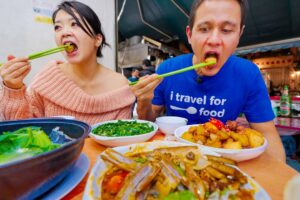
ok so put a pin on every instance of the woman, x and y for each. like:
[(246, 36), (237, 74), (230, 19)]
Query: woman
[(80, 87)]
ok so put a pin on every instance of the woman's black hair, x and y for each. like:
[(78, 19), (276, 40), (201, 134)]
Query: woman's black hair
[(88, 17)]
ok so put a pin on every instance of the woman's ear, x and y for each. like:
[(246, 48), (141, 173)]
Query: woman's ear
[(98, 40)]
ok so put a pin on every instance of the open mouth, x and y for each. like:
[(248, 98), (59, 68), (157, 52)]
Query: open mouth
[(72, 47), (211, 57)]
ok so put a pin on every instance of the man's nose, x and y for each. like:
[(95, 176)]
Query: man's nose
[(214, 38)]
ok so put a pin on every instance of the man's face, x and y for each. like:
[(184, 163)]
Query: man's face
[(135, 73), (216, 32)]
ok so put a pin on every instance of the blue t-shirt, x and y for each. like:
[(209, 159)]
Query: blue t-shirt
[(237, 88)]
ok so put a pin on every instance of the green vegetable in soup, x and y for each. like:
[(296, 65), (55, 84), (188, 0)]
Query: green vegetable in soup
[(23, 143), (123, 128)]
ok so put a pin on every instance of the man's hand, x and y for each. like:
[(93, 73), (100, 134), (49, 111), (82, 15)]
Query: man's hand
[(143, 90)]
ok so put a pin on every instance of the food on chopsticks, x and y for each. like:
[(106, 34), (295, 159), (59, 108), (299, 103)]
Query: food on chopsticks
[(171, 173), (24, 143), (230, 136), (196, 66), (123, 128), (70, 47), (211, 58)]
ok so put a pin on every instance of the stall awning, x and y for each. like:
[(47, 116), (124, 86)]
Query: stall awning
[(269, 46), (165, 21)]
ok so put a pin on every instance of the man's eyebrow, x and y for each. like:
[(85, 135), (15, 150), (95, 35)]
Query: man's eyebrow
[(205, 23), (230, 23)]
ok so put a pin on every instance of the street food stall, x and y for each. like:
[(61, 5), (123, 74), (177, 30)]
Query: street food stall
[(125, 159)]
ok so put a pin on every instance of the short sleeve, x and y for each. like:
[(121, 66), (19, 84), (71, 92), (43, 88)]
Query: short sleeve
[(258, 107)]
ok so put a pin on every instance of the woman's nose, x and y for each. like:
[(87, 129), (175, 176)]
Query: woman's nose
[(66, 31)]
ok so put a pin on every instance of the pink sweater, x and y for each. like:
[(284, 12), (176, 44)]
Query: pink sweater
[(52, 94)]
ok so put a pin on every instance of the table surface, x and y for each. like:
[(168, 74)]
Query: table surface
[(271, 173)]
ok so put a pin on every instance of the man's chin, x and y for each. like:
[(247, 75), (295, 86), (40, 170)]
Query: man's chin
[(210, 72)]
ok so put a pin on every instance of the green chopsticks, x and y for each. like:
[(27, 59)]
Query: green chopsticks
[(47, 52), (200, 65)]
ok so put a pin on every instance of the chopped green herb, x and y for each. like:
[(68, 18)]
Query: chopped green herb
[(123, 128)]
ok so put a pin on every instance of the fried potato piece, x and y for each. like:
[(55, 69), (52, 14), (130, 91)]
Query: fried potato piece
[(256, 139), (223, 135), (200, 130), (192, 129), (210, 127), (200, 139), (213, 137), (213, 143), (232, 145), (242, 138), (188, 136)]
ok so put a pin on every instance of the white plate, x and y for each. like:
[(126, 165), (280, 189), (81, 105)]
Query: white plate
[(76, 174), (123, 140), (99, 169), (235, 154)]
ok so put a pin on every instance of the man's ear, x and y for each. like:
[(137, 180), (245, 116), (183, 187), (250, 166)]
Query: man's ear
[(242, 31), (188, 32)]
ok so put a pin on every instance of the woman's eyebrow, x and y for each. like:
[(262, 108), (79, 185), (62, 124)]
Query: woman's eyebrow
[(59, 21)]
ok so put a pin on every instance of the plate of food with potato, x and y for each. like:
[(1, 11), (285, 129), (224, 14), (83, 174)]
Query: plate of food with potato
[(229, 140)]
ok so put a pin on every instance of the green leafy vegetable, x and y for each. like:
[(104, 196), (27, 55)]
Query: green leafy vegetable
[(123, 128), (23, 143), (182, 195)]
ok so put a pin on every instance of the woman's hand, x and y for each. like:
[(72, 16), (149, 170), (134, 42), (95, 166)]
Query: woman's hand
[(144, 88), (14, 71)]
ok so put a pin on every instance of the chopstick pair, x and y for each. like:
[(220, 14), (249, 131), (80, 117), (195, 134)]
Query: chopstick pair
[(200, 65), (47, 52)]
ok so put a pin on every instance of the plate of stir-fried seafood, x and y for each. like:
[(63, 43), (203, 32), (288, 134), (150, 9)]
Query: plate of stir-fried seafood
[(168, 170)]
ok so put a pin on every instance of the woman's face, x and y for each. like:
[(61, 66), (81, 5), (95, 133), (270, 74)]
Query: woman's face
[(68, 31), (216, 32)]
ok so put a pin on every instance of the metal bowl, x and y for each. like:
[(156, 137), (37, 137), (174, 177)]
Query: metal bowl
[(31, 177)]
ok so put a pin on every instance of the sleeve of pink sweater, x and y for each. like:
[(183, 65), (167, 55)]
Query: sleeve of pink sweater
[(19, 104)]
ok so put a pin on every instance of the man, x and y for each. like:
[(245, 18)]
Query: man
[(135, 73), (147, 68), (230, 87)]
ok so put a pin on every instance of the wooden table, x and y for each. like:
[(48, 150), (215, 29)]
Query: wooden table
[(269, 172)]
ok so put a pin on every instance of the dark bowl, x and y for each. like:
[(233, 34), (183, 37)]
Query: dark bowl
[(31, 177)]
